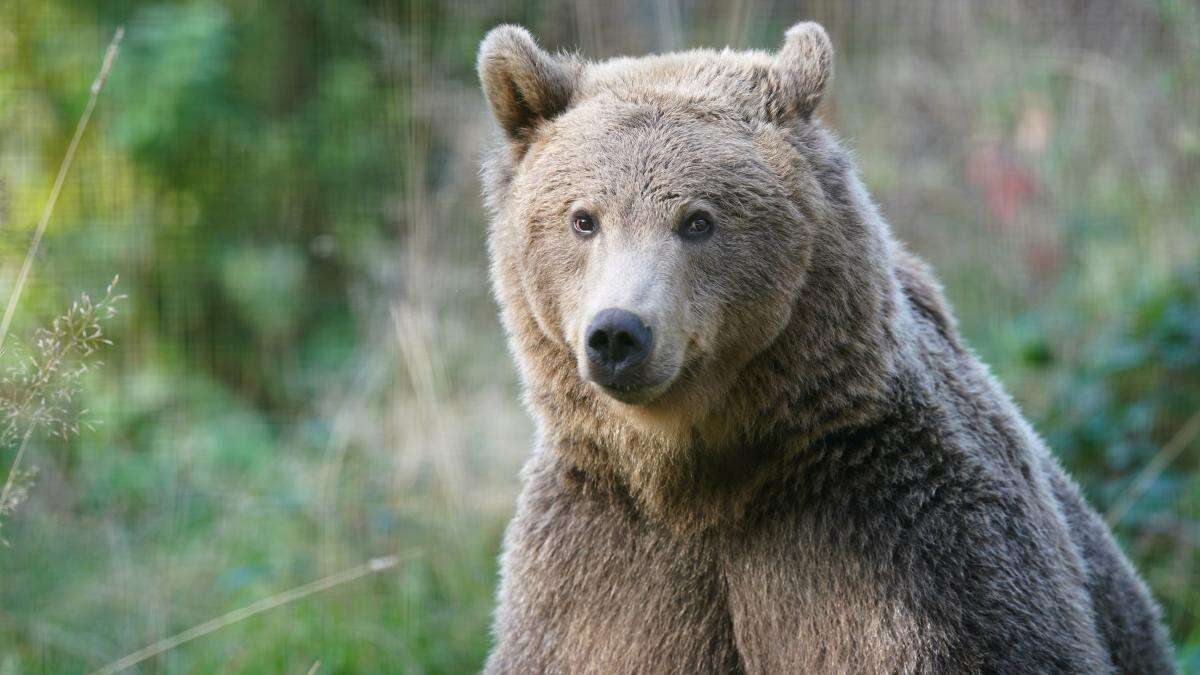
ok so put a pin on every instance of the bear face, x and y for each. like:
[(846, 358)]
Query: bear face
[(656, 232), (669, 215)]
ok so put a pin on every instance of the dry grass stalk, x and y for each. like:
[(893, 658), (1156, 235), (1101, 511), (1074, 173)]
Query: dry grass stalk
[(41, 403), (110, 57), (373, 566), (1167, 454)]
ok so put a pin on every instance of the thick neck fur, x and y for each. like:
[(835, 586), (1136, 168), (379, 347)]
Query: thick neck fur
[(829, 370)]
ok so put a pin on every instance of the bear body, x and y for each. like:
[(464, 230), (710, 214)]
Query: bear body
[(762, 447)]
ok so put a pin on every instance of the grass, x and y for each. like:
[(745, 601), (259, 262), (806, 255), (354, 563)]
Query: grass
[(373, 566), (39, 387)]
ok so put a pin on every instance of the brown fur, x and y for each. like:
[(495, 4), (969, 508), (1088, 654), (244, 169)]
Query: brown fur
[(819, 477)]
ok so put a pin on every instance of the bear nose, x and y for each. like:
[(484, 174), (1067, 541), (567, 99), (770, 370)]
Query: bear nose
[(617, 341)]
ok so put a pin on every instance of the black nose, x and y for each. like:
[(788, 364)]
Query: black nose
[(617, 341)]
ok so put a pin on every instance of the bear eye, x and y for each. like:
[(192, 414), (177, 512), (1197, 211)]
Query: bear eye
[(583, 223), (697, 226)]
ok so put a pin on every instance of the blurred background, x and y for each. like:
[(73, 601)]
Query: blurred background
[(307, 372)]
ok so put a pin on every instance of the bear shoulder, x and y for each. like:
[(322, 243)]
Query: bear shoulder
[(924, 294)]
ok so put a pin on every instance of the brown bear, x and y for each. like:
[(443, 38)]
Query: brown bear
[(762, 446)]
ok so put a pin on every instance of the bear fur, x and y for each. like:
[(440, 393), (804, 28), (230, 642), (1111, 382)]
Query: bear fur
[(815, 474)]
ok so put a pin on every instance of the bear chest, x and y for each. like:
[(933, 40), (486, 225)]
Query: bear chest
[(605, 591), (800, 603)]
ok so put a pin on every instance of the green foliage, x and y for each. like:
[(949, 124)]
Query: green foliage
[(1131, 394)]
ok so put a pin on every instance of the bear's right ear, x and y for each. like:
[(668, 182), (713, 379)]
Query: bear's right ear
[(523, 84), (802, 69)]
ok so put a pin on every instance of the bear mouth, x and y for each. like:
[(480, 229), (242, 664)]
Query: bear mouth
[(652, 382), (630, 394), (639, 392)]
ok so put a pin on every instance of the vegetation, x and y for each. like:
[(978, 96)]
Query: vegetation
[(307, 373)]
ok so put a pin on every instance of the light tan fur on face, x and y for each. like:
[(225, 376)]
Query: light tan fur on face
[(649, 276)]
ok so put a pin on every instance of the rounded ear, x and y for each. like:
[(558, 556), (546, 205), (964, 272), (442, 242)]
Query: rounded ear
[(523, 84), (803, 66)]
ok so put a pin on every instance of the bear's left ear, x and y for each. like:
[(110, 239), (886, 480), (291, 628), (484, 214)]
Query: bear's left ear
[(523, 84), (803, 66)]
